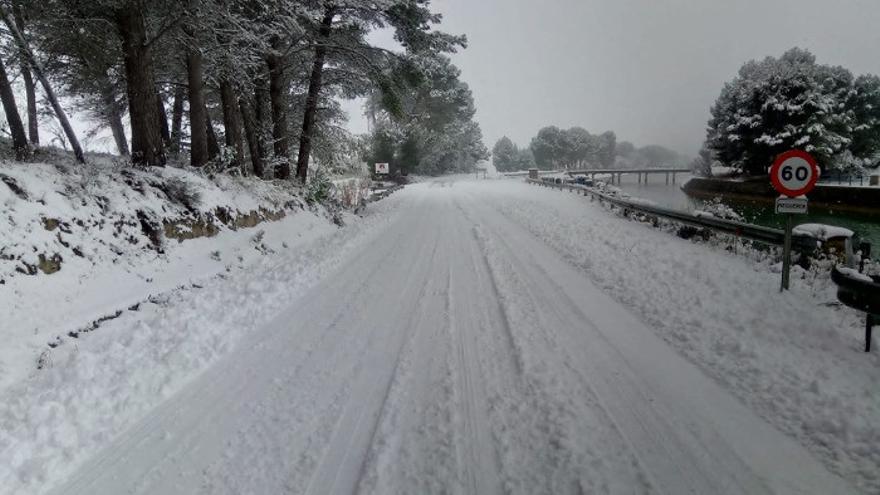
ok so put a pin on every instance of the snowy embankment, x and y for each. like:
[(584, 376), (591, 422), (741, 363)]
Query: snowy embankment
[(82, 243), (133, 311), (795, 357)]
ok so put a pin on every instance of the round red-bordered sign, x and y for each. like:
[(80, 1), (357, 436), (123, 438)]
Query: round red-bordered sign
[(794, 173)]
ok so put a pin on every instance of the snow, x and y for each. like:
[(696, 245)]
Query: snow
[(821, 231), (789, 356), (108, 264), (94, 387), (464, 337), (855, 274)]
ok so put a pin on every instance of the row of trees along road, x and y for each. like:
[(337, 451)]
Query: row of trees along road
[(508, 157), (429, 130), (555, 148), (778, 104), (270, 70)]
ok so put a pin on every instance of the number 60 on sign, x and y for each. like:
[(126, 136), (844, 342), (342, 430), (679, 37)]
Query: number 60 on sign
[(794, 173)]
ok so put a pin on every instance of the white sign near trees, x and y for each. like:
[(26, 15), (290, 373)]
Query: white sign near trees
[(382, 168)]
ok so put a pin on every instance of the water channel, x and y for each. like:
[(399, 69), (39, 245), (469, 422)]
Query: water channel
[(866, 226)]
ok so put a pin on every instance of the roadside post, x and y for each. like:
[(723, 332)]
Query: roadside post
[(793, 175)]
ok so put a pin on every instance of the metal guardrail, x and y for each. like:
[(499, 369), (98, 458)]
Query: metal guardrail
[(384, 193), (598, 171), (523, 173), (758, 233)]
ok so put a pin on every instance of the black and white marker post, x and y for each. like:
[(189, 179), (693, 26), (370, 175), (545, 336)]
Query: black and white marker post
[(793, 174)]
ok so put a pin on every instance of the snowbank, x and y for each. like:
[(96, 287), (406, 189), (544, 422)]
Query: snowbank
[(81, 243), (821, 231)]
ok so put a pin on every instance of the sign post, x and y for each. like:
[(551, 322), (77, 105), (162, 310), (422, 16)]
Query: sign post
[(793, 174), (381, 169)]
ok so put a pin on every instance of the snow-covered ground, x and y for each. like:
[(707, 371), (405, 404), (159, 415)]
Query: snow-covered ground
[(206, 297), (464, 337), (90, 218), (794, 359)]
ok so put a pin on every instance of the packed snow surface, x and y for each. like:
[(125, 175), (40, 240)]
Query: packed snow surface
[(464, 337)]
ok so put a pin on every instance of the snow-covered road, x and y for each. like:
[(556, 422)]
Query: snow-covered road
[(456, 353)]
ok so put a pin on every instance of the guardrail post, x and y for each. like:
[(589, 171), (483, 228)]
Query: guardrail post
[(786, 254)]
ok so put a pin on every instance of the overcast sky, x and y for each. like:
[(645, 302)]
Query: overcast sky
[(647, 69)]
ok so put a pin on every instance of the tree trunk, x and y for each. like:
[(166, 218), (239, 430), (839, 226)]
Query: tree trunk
[(177, 118), (113, 115), (29, 86), (30, 89), (163, 120), (146, 138), (16, 128), (47, 88), (311, 109), (278, 98), (30, 92), (253, 139), (231, 121), (213, 144), (261, 119), (198, 114)]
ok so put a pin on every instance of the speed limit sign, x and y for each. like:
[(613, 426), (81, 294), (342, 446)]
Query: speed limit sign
[(794, 173)]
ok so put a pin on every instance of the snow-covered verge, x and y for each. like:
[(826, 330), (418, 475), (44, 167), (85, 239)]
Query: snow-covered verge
[(80, 243), (793, 357), (351, 192), (95, 386)]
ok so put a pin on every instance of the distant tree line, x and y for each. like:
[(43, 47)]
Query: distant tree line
[(560, 149), (652, 155), (508, 157), (246, 83), (792, 102)]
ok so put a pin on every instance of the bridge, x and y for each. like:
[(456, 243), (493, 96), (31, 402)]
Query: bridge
[(640, 171)]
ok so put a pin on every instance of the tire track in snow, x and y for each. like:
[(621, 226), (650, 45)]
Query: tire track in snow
[(412, 449), (564, 427), (341, 465), (478, 458)]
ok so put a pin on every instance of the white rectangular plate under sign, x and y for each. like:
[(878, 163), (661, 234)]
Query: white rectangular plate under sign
[(791, 205)]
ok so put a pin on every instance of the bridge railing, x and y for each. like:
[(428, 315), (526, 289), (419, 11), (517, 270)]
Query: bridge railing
[(758, 233)]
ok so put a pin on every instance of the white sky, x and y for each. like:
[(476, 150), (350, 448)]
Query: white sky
[(647, 69)]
